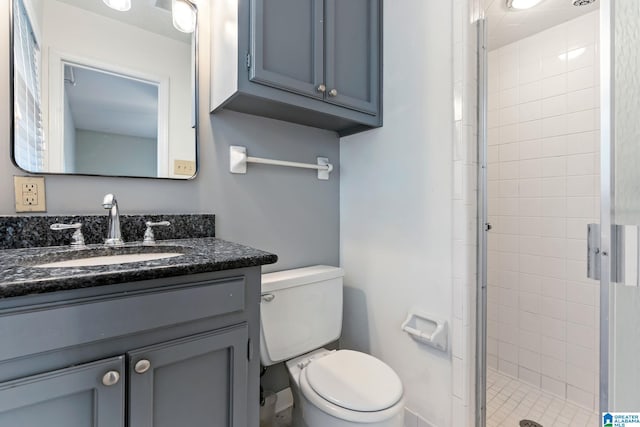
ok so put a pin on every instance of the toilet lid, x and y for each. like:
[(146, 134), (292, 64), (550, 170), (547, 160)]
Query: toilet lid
[(355, 381)]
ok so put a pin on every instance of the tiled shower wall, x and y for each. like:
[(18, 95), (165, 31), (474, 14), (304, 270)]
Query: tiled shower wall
[(543, 191)]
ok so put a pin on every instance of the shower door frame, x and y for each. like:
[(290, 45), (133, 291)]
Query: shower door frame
[(606, 192), (483, 227), (607, 8)]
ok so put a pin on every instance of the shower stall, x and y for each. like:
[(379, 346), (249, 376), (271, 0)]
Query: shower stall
[(558, 306)]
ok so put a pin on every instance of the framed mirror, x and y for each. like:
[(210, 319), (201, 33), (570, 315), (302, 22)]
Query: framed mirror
[(105, 87)]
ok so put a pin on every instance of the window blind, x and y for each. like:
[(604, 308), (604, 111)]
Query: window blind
[(29, 143)]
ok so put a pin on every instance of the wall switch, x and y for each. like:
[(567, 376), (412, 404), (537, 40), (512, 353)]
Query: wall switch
[(30, 194), (184, 167)]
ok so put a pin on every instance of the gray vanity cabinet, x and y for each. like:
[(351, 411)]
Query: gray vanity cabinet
[(313, 62), (197, 382), (71, 397), (176, 351)]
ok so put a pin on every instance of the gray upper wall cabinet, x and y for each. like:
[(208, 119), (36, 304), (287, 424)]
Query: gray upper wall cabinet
[(312, 62)]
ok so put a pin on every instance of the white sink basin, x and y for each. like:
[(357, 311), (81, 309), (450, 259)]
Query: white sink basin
[(109, 260)]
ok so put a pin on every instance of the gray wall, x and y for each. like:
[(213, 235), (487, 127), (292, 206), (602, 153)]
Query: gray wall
[(99, 152), (285, 211)]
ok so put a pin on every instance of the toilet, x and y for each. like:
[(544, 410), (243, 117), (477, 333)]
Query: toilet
[(301, 311)]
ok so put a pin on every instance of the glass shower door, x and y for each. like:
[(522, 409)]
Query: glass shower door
[(620, 213)]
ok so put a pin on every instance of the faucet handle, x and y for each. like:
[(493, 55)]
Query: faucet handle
[(149, 238), (77, 239)]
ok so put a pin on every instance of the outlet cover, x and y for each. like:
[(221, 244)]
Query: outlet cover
[(30, 194), (184, 167)]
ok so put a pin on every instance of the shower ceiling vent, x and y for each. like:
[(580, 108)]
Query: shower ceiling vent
[(583, 2)]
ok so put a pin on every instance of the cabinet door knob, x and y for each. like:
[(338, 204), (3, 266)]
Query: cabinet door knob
[(321, 88), (111, 378), (333, 92), (142, 366)]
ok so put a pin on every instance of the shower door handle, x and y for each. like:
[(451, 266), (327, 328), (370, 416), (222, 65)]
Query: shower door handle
[(593, 251), (624, 242)]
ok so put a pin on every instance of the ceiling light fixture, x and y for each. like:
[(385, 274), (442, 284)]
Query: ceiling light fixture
[(184, 15), (522, 4), (119, 5)]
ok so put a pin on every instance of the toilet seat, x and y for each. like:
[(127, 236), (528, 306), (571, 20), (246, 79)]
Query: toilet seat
[(355, 381), (352, 386)]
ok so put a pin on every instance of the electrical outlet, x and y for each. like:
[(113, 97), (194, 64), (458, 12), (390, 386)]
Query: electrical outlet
[(184, 167), (30, 194)]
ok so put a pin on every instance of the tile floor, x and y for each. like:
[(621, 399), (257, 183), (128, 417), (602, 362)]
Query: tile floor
[(510, 400)]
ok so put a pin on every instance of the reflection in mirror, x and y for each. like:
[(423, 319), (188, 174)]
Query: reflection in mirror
[(102, 92)]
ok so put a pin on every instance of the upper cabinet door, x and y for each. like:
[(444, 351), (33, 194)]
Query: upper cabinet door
[(287, 45), (90, 395), (353, 53), (199, 381)]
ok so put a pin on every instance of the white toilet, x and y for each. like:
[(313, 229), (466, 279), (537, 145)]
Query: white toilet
[(301, 311)]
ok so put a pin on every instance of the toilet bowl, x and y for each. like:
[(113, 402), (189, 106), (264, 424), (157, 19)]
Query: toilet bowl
[(344, 389), (301, 311)]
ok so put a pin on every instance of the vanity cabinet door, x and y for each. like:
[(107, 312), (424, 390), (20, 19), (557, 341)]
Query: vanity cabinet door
[(81, 396), (286, 45), (352, 59), (198, 381)]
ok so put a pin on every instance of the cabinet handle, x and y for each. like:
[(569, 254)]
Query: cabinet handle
[(333, 92), (111, 378), (321, 88), (142, 366)]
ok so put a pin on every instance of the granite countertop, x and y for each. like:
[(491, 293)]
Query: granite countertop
[(20, 277)]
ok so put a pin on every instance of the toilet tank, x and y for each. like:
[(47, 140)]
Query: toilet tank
[(300, 311)]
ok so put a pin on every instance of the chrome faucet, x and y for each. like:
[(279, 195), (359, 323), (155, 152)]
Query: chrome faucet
[(114, 238)]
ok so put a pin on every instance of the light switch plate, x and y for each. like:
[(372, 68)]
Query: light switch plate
[(30, 194), (184, 167)]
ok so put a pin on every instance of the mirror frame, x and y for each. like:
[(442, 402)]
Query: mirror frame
[(195, 96)]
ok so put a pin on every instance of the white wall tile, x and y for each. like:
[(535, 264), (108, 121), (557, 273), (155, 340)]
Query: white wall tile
[(553, 368), (530, 111), (554, 187), (585, 99), (508, 97), (530, 168), (509, 152), (581, 356), (530, 92), (581, 79), (580, 143), (554, 386), (585, 59), (581, 121), (509, 115), (581, 164), (583, 398), (555, 105), (529, 376), (580, 335), (583, 185), (529, 130), (553, 66), (581, 314), (554, 126), (553, 86)]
